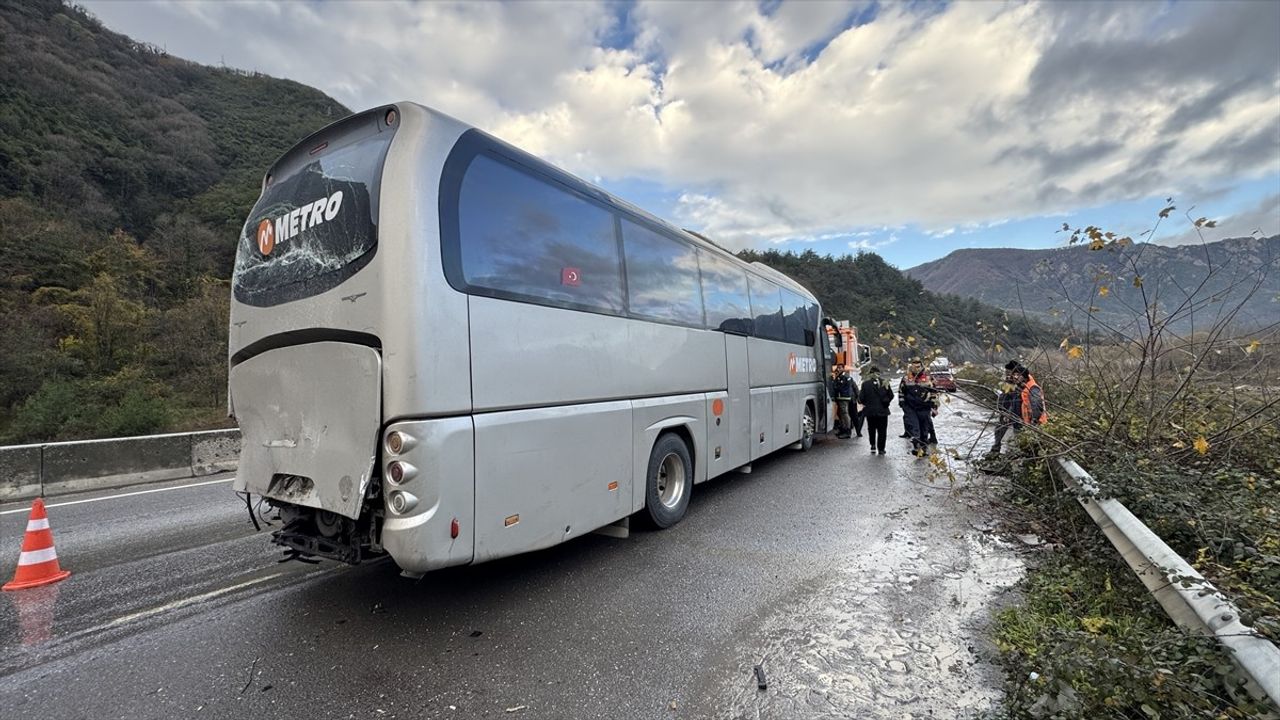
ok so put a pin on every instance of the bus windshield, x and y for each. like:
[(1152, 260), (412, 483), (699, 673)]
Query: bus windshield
[(314, 226)]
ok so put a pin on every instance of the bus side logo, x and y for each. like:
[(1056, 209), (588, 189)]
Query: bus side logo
[(266, 237), (801, 364)]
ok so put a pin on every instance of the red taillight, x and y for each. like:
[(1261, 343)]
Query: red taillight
[(391, 117), (454, 529), (396, 471)]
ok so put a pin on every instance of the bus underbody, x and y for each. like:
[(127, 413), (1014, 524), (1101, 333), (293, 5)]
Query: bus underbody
[(312, 533)]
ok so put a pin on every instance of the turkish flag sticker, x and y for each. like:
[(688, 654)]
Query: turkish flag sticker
[(570, 276)]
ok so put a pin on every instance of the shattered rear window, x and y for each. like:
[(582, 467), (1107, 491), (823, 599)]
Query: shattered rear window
[(314, 228)]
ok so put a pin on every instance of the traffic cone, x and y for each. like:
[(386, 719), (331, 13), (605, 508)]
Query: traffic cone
[(38, 563)]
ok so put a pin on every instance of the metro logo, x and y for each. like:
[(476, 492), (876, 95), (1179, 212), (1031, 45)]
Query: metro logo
[(266, 237), (304, 217), (801, 364)]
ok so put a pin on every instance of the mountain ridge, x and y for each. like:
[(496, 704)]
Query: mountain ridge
[(1072, 283)]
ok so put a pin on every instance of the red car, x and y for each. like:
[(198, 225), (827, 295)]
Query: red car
[(943, 380)]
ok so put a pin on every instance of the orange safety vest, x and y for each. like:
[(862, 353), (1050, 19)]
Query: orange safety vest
[(1026, 404)]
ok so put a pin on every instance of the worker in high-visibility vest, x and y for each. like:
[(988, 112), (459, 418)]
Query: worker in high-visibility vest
[(1032, 406)]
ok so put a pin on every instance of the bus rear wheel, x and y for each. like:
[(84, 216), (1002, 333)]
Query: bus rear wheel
[(668, 481)]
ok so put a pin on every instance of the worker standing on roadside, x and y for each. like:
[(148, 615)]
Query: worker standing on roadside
[(919, 402), (842, 389), (1031, 399), (1008, 405), (873, 401)]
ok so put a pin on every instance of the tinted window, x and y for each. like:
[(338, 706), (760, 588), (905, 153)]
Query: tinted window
[(815, 315), (662, 276), (314, 226), (795, 318), (724, 290), (528, 237), (766, 305)]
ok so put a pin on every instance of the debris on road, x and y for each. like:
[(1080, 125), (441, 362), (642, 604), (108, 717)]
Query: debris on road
[(761, 683)]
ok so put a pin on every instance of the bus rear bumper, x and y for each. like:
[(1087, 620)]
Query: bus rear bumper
[(430, 512)]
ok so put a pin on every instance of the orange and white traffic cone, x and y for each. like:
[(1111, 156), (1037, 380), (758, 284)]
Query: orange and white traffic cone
[(38, 563)]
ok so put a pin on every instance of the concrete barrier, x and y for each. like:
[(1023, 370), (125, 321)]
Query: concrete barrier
[(28, 471), (214, 451), (19, 471)]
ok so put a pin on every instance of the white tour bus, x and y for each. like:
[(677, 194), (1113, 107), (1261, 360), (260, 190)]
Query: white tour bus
[(445, 349)]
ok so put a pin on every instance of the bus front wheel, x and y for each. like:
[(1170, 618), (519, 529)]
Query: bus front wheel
[(669, 481)]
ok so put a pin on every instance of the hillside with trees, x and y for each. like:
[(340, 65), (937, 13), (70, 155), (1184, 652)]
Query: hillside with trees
[(896, 312), (125, 175)]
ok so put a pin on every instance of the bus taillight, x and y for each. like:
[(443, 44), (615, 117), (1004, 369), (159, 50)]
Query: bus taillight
[(399, 471), (398, 442), (402, 502)]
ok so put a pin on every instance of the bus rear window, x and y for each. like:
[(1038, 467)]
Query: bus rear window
[(316, 224)]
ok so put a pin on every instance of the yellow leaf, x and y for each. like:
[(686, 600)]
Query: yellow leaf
[(1103, 291), (1137, 281), (933, 322), (1075, 353), (1097, 244), (1165, 212), (1248, 349), (999, 347), (1093, 624), (1065, 342), (1201, 445)]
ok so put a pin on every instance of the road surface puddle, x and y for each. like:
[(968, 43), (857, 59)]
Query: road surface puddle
[(887, 636)]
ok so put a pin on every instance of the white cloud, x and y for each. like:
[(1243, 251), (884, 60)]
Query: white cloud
[(1261, 220), (956, 116), (865, 244)]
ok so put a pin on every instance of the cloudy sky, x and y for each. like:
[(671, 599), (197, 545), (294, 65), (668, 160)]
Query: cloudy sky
[(911, 129)]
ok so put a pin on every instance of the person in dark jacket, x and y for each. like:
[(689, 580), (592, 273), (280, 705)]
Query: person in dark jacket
[(1008, 405), (842, 391), (919, 402), (873, 401)]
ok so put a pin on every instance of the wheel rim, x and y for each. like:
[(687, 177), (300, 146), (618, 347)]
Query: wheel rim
[(808, 425), (671, 480)]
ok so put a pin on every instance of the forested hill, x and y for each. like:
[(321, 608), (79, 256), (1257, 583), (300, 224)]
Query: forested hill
[(878, 298), (125, 176)]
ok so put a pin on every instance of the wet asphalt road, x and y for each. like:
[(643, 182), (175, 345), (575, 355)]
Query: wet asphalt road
[(861, 584)]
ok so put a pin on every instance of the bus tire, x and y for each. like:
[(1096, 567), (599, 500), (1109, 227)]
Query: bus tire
[(808, 426), (668, 481)]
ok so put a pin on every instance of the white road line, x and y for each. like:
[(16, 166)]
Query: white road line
[(121, 495), (188, 601)]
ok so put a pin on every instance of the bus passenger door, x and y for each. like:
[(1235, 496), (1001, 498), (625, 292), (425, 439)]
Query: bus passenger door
[(738, 406)]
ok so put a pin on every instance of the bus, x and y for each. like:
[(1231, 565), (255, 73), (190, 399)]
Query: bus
[(447, 350)]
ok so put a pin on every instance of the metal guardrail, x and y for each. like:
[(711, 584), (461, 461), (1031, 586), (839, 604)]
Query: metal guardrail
[(1190, 601)]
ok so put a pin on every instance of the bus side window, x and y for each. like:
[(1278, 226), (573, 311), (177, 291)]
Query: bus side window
[(662, 276), (766, 304), (527, 237), (724, 289), (795, 317)]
